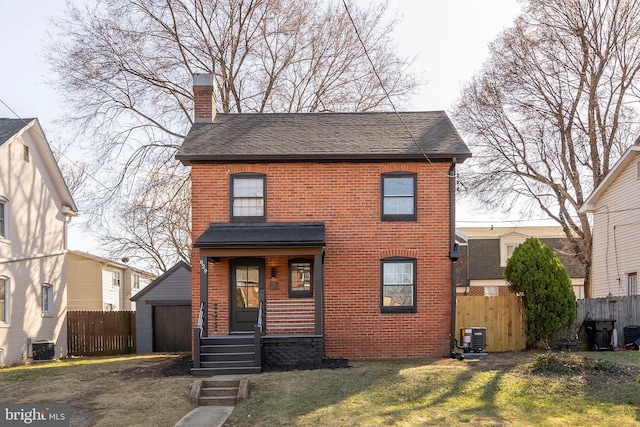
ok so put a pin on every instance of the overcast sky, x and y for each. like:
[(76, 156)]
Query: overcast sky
[(449, 37)]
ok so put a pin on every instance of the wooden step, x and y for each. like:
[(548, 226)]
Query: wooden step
[(208, 372)]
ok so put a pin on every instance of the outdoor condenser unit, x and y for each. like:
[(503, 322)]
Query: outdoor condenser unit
[(43, 350), (473, 340)]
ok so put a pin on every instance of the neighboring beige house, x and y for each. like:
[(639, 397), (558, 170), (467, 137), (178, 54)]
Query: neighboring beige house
[(615, 205), (484, 252), (35, 207), (99, 284)]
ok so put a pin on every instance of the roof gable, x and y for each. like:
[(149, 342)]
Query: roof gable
[(15, 128), (324, 136), (627, 158), (110, 263), (11, 127), (161, 278)]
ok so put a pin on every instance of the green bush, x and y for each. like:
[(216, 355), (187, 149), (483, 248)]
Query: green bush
[(536, 273)]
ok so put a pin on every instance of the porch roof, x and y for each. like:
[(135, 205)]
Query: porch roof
[(263, 235)]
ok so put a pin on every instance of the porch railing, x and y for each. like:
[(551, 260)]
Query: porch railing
[(197, 335), (257, 337)]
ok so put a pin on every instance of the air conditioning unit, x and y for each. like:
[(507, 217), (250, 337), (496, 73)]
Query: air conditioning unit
[(43, 350), (473, 340)]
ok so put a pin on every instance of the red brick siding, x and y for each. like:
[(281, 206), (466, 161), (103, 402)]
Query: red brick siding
[(346, 197)]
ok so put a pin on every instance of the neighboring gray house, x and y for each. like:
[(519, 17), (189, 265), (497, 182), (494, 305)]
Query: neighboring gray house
[(484, 252), (163, 316)]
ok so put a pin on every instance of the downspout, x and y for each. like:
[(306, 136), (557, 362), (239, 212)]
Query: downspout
[(454, 252)]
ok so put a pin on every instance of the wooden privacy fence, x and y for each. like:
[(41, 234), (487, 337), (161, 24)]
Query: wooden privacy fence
[(501, 315), (97, 333), (504, 319)]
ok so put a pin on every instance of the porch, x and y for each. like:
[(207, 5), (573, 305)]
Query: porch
[(261, 290)]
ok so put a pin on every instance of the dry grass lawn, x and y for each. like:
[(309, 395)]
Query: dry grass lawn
[(133, 390), (499, 390)]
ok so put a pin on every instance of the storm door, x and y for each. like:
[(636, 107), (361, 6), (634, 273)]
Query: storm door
[(247, 280)]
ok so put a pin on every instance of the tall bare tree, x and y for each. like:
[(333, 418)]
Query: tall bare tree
[(125, 69), (553, 108)]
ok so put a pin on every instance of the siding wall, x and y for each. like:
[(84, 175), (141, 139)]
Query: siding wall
[(85, 292), (173, 288), (616, 246), (32, 253), (112, 294), (346, 197)]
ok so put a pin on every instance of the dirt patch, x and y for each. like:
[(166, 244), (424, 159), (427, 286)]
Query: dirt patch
[(178, 367)]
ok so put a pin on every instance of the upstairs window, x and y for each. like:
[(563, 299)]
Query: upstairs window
[(248, 197), (116, 279), (399, 197), (136, 281), (398, 285), (25, 153), (300, 278)]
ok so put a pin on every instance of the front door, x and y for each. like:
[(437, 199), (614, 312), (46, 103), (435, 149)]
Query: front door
[(247, 280)]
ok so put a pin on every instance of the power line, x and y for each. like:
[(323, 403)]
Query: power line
[(386, 93), (61, 154)]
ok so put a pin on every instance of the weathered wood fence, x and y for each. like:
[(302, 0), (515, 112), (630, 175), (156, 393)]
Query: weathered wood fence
[(97, 333), (504, 320), (624, 310)]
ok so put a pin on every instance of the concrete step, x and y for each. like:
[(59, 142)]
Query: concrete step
[(217, 401), (219, 391)]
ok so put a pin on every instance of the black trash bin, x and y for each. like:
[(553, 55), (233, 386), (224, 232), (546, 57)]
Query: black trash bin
[(631, 336), (599, 332)]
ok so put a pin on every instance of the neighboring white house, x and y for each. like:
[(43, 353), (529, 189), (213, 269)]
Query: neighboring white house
[(615, 205), (100, 284), (35, 206)]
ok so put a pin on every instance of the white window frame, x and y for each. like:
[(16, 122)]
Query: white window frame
[(632, 283), (136, 281), (491, 291), (4, 218), (46, 298), (116, 279), (6, 316), (507, 241)]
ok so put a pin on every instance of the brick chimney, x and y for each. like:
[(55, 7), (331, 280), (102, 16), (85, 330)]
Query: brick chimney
[(204, 98)]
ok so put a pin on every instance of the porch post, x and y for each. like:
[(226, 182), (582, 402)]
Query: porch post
[(318, 274), (204, 293)]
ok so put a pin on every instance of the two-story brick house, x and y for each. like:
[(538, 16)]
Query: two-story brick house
[(333, 232)]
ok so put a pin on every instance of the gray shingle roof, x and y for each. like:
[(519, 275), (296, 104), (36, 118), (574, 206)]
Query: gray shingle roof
[(323, 136), (9, 127)]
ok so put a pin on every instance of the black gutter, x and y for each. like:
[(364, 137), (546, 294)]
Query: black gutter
[(454, 251)]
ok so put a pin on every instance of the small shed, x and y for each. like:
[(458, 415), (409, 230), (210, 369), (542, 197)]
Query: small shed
[(163, 312)]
